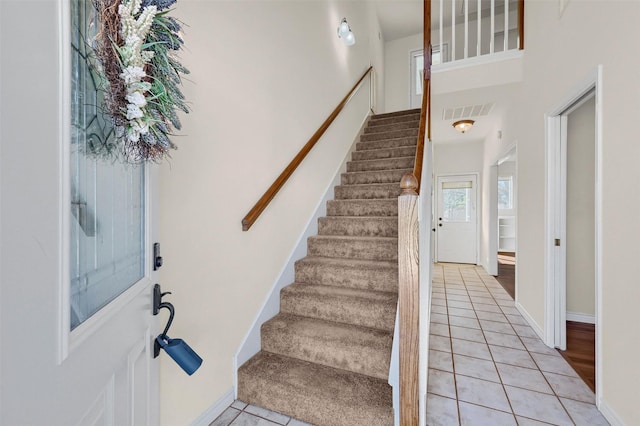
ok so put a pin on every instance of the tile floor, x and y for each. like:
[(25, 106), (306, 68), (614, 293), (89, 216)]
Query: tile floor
[(488, 367), (241, 414)]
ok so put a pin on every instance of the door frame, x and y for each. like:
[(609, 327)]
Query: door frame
[(436, 204), (555, 216)]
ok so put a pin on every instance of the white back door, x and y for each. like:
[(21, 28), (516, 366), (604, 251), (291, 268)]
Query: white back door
[(77, 232), (456, 221)]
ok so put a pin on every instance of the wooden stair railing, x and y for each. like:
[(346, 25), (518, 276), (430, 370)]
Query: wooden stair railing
[(266, 198), (408, 252)]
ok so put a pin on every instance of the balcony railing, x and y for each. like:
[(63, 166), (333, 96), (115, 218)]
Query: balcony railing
[(464, 29)]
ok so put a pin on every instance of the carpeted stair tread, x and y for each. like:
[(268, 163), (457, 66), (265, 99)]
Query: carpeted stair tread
[(380, 164), (361, 226), (371, 248), (374, 122), (398, 125), (375, 154), (367, 191), (317, 394), (392, 134), (386, 143), (365, 308), (397, 113), (376, 176), (357, 349), (388, 207), (350, 273)]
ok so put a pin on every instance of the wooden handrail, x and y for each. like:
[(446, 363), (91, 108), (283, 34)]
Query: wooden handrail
[(521, 23), (266, 198), (425, 128)]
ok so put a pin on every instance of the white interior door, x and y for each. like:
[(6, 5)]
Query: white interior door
[(456, 221), (77, 232)]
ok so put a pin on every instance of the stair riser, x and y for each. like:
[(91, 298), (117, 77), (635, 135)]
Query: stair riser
[(376, 154), (380, 176), (386, 143), (374, 122), (387, 164), (362, 207), (392, 126), (354, 249), (389, 135), (381, 279), (379, 315), (352, 192), (397, 114), (346, 400), (365, 353), (359, 226)]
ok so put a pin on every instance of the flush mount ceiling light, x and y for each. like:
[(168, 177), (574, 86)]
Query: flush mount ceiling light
[(345, 33), (463, 125)]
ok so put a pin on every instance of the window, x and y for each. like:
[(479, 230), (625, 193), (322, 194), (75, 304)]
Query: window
[(107, 198), (456, 198), (505, 193)]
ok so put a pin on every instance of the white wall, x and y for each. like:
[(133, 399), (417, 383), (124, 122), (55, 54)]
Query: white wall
[(559, 52), (458, 158), (264, 76), (396, 67), (581, 180)]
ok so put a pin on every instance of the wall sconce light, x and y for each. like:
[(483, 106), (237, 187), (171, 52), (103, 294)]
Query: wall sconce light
[(463, 125), (345, 33)]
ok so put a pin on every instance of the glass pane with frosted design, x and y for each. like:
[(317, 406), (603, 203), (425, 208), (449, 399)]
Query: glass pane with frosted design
[(107, 198), (456, 204)]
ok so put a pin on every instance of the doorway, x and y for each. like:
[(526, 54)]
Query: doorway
[(573, 229), (457, 219), (506, 211)]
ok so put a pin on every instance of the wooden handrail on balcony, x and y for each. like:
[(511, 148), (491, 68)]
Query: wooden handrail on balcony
[(521, 23), (266, 198)]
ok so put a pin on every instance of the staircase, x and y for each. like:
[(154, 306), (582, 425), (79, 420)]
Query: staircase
[(325, 357)]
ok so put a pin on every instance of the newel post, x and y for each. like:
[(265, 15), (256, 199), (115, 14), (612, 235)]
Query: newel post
[(408, 299)]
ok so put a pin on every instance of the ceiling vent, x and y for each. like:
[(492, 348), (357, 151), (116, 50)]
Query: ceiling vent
[(468, 111)]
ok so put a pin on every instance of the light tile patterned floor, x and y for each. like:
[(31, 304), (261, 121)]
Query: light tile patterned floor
[(488, 367), (241, 414)]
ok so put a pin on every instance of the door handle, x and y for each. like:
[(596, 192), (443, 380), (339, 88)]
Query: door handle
[(433, 229), (439, 224)]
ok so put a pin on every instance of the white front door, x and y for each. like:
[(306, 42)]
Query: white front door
[(77, 235), (456, 221)]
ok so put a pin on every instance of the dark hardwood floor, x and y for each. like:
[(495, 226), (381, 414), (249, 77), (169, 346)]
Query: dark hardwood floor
[(507, 272), (581, 337), (581, 351)]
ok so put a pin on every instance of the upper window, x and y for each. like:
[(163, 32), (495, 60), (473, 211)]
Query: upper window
[(505, 193)]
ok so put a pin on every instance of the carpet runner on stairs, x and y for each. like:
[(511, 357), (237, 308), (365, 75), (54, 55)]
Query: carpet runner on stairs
[(325, 357)]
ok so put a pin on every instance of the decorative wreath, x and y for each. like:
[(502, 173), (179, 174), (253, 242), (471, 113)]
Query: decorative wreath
[(135, 48)]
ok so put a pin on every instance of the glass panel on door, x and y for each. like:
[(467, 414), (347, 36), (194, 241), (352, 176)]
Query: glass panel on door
[(107, 197), (456, 198)]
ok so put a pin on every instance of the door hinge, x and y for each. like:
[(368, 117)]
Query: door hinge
[(557, 242)]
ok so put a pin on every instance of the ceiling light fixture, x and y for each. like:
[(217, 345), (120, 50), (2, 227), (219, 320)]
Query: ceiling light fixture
[(345, 33), (463, 125)]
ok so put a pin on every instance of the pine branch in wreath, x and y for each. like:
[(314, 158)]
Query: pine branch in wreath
[(136, 49)]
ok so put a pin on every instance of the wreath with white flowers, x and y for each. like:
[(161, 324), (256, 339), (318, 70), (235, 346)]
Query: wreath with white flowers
[(135, 48)]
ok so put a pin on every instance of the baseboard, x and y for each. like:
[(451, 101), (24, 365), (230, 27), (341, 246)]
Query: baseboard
[(534, 325), (251, 343), (609, 414), (213, 412), (578, 317)]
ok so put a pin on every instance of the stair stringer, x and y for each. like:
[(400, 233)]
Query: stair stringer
[(252, 341)]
